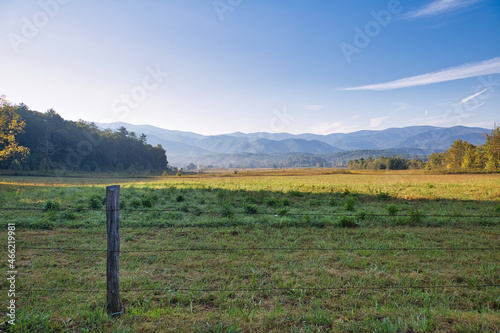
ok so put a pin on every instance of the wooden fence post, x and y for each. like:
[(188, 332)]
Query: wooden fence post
[(113, 304)]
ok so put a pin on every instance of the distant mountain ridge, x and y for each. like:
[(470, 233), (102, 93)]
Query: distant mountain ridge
[(181, 146)]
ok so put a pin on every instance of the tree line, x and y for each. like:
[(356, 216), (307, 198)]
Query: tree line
[(385, 163), (463, 156), (460, 157), (32, 140), (289, 160)]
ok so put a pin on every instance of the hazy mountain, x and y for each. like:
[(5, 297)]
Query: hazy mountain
[(442, 138), (413, 140), (161, 133), (292, 160), (192, 144)]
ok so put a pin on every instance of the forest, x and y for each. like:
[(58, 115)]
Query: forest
[(35, 141), (460, 157)]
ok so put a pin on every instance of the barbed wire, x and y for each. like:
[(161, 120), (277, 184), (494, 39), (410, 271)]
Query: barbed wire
[(367, 214), (170, 289), (201, 249)]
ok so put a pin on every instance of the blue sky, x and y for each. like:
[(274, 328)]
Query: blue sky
[(222, 66)]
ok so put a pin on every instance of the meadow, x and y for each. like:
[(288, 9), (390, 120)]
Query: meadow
[(259, 251)]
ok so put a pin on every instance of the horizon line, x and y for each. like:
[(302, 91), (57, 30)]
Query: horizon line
[(290, 133)]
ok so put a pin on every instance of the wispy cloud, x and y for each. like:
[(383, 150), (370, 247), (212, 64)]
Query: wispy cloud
[(465, 71), (440, 7), (336, 127), (375, 122), (325, 128), (476, 106), (471, 97), (400, 106)]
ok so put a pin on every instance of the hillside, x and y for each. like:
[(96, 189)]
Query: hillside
[(55, 143)]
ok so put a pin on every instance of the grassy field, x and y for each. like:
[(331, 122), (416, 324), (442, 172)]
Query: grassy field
[(266, 251)]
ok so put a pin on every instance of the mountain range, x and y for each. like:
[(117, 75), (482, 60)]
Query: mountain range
[(414, 140)]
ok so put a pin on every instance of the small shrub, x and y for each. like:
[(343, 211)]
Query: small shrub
[(283, 211), (251, 200), (416, 216), (286, 202), (180, 198), (497, 209), (349, 203), (383, 196), (135, 203), (313, 203), (333, 202), (296, 193), (226, 211), (95, 202), (271, 202), (68, 215), (347, 222), (250, 209), (51, 205), (392, 210), (147, 202)]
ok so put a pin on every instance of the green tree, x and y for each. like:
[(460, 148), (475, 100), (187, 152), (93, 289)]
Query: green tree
[(479, 158), (380, 163), (492, 149), (468, 160), (123, 131), (397, 163), (455, 155), (436, 161), (11, 124)]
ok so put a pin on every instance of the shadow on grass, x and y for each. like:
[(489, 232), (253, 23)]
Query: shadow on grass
[(84, 207)]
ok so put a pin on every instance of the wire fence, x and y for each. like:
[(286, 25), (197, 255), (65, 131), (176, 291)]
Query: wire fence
[(254, 249), (216, 213), (255, 290), (344, 287), (269, 289)]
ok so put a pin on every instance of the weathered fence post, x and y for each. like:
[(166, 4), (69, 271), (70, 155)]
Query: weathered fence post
[(113, 305)]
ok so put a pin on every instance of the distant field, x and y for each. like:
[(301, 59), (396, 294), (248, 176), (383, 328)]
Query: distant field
[(260, 251)]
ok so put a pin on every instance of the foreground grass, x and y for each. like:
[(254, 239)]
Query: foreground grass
[(349, 270)]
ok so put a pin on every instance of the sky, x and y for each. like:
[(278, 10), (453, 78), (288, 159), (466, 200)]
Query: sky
[(222, 66)]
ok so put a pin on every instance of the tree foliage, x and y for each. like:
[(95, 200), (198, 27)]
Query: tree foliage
[(463, 156), (11, 124), (81, 146), (383, 163)]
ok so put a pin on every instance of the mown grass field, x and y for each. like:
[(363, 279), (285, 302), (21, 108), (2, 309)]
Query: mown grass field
[(266, 251)]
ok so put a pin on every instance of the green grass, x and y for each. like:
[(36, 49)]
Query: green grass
[(261, 290)]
